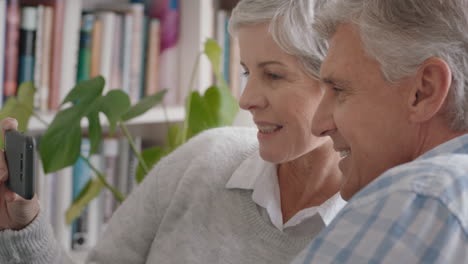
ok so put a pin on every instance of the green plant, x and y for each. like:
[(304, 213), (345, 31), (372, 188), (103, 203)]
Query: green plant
[(60, 145)]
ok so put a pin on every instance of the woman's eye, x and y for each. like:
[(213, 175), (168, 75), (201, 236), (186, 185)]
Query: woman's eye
[(245, 74), (274, 76)]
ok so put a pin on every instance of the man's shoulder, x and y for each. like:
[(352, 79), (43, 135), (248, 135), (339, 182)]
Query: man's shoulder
[(443, 178)]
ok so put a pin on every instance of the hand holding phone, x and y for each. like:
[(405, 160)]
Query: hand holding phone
[(15, 212), (19, 154)]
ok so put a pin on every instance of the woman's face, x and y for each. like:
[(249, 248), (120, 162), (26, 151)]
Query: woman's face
[(280, 95)]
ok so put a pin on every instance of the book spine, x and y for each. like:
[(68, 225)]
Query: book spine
[(95, 217), (135, 65), (27, 44), (96, 44), (84, 54), (46, 58), (226, 44), (70, 47), (115, 81), (144, 57), (152, 67), (108, 29), (56, 62), (127, 52), (110, 153), (38, 54), (64, 199), (3, 8), (11, 48), (81, 175)]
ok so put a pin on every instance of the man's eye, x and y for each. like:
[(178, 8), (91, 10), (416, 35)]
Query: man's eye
[(273, 76), (336, 89), (245, 74)]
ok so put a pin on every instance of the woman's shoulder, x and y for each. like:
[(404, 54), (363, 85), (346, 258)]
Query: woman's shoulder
[(225, 145)]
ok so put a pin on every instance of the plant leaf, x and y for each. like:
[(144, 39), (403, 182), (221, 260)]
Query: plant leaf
[(174, 137), (114, 105), (214, 52), (20, 107), (151, 156), (89, 192), (200, 115), (60, 148), (86, 91), (144, 105), (223, 104)]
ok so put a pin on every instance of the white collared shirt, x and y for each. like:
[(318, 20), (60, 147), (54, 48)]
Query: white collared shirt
[(261, 177)]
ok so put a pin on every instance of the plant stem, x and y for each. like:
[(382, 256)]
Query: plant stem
[(118, 195), (134, 148), (187, 105)]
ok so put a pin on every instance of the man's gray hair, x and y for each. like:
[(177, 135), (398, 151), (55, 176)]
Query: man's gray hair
[(290, 24), (402, 34)]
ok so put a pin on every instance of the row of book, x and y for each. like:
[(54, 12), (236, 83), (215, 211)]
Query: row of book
[(56, 191), (56, 43)]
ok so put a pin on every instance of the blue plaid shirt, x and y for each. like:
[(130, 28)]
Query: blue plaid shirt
[(413, 213)]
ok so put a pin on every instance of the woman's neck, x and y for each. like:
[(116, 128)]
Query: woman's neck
[(309, 180)]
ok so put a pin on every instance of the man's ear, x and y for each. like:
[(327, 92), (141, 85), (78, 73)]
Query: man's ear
[(430, 91)]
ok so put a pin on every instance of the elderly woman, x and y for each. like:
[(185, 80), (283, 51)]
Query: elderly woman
[(230, 195)]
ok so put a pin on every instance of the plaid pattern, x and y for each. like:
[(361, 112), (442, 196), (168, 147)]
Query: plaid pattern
[(414, 213)]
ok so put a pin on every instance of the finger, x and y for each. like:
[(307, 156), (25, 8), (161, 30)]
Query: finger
[(3, 168), (8, 124)]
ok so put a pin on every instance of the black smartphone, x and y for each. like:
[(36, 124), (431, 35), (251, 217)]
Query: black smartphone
[(19, 155)]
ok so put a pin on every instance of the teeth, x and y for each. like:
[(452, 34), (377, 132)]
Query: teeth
[(268, 129), (344, 153)]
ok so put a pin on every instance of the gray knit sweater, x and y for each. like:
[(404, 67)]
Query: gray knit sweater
[(181, 213)]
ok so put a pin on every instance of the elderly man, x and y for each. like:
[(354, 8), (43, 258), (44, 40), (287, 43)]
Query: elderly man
[(396, 107)]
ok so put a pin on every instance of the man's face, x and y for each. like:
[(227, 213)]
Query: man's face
[(366, 116)]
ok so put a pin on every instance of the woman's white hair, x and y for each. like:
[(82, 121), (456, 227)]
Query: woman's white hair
[(402, 34), (290, 24)]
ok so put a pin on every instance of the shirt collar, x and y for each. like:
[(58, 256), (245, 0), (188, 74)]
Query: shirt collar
[(455, 145), (261, 177)]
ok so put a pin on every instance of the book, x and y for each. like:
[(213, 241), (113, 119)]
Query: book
[(81, 175), (38, 54), (115, 80), (28, 27), (107, 43), (127, 29), (152, 63), (56, 47), (70, 47), (11, 49), (46, 59), (167, 11), (3, 7), (110, 152), (137, 10), (96, 46), (63, 192), (84, 54)]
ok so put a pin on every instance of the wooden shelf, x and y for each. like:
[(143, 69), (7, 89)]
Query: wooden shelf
[(154, 116)]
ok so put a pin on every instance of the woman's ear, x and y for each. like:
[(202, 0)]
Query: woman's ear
[(428, 95)]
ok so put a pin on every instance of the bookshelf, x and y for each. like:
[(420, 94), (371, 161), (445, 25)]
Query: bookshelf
[(197, 19)]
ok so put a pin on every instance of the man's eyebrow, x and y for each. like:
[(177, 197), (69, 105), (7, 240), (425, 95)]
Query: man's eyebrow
[(335, 82), (265, 63)]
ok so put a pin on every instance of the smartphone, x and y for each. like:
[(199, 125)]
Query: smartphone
[(19, 155)]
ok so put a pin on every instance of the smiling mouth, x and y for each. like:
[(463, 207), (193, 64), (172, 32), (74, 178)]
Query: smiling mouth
[(344, 153), (268, 129)]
